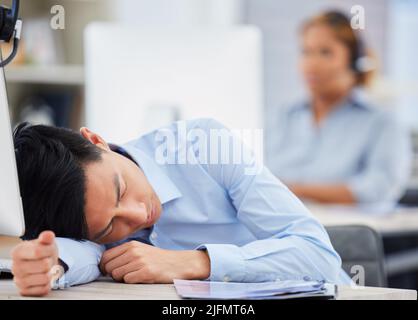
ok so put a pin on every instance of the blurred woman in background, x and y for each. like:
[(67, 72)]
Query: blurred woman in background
[(336, 147)]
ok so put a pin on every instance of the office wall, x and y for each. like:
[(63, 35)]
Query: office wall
[(402, 57), (179, 12)]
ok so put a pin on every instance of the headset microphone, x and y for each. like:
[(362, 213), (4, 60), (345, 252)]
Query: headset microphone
[(361, 62), (10, 27)]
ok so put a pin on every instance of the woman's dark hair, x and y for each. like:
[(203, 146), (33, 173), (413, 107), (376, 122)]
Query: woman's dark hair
[(50, 163), (341, 26)]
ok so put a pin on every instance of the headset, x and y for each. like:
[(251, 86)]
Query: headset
[(360, 60), (10, 27)]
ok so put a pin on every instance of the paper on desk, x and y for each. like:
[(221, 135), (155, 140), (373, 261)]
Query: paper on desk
[(234, 290)]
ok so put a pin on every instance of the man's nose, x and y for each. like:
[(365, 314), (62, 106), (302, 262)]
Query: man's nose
[(135, 214)]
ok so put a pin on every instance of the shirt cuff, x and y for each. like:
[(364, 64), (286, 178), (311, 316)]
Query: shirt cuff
[(66, 257), (82, 259), (62, 282), (226, 262)]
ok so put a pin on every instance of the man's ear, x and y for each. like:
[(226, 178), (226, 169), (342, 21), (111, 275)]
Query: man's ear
[(94, 138)]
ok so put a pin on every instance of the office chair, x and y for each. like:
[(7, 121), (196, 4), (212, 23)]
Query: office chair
[(360, 245)]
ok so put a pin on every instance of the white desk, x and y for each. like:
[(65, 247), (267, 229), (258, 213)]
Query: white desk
[(108, 289)]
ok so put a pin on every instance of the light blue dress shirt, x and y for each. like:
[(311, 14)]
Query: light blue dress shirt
[(357, 144), (253, 228)]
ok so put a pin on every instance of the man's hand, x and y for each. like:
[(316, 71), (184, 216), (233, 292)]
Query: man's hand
[(32, 262), (136, 262)]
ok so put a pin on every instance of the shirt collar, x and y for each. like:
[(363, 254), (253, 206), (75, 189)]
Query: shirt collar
[(358, 97), (161, 183)]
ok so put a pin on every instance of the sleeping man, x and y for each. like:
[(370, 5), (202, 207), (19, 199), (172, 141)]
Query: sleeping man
[(151, 211)]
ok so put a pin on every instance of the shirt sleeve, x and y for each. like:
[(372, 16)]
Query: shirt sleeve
[(82, 259), (386, 166), (291, 243)]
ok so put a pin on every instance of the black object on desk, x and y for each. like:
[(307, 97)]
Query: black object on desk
[(4, 275), (410, 198)]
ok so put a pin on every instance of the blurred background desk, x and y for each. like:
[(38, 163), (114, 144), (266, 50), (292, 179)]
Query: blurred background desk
[(108, 289), (400, 221), (399, 232)]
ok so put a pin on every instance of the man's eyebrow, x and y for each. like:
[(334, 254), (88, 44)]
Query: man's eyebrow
[(117, 190)]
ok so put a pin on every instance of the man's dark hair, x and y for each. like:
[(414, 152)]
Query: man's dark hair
[(50, 164)]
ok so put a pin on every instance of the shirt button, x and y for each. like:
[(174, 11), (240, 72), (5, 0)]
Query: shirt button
[(153, 235), (226, 279)]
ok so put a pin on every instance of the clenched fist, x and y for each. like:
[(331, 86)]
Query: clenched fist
[(32, 263), (136, 262)]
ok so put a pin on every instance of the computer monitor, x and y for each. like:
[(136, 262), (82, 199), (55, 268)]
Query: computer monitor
[(12, 221), (139, 78)]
